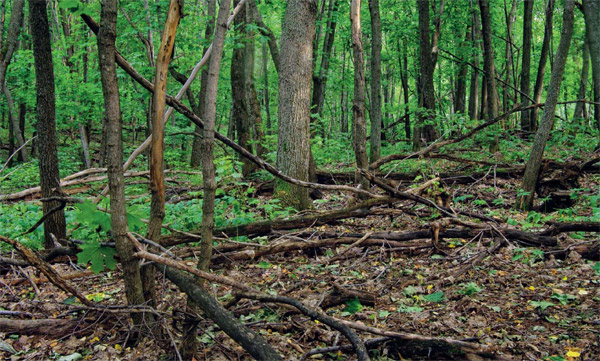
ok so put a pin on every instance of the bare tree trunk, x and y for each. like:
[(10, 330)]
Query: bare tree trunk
[(526, 62), (359, 126), (239, 90), (208, 33), (585, 69), (404, 81), (344, 97), (534, 163), (425, 132), (189, 344), (295, 75), (320, 79), (54, 225), (375, 113), (16, 127), (509, 65), (489, 67), (539, 80), (266, 99), (157, 185), (474, 89), (118, 211), (461, 82), (591, 11)]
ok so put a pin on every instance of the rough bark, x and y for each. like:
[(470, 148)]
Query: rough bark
[(112, 114), (526, 62), (461, 82), (375, 111), (208, 33), (240, 111), (266, 100), (474, 89), (591, 11), (539, 79), (16, 130), (424, 131), (532, 168), (404, 80), (295, 77), (320, 79), (359, 124), (55, 225), (585, 69)]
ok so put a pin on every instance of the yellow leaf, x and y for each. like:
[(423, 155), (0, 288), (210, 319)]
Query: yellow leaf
[(565, 278), (582, 292), (531, 288), (117, 347), (572, 353), (95, 339)]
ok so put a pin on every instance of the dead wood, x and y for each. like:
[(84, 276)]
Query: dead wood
[(339, 295), (56, 328), (35, 260), (267, 226)]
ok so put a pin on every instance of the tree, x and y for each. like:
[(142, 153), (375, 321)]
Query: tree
[(591, 12), (424, 131), (114, 141), (526, 62), (375, 113), (539, 79), (54, 225), (359, 126), (295, 77), (578, 113), (532, 169)]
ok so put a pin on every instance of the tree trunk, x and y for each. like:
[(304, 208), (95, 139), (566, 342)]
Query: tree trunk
[(189, 344), (239, 96), (17, 132), (425, 131), (509, 65), (208, 33), (320, 79), (526, 62), (405, 94), (461, 82), (54, 225), (359, 126), (266, 99), (532, 169), (157, 183), (489, 68), (539, 80), (591, 11), (585, 68), (112, 115), (375, 111), (344, 97), (295, 75), (474, 89)]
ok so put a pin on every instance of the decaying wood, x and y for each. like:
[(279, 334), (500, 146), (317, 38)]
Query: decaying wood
[(267, 226), (35, 260), (56, 328)]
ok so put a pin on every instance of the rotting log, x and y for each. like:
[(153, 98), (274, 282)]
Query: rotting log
[(48, 326)]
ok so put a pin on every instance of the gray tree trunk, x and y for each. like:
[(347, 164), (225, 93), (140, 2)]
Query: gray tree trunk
[(539, 79), (295, 75), (375, 111), (55, 224), (534, 163), (591, 11), (112, 113), (585, 69), (526, 62), (474, 88)]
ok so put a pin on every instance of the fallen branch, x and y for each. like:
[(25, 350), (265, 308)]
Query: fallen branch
[(53, 327)]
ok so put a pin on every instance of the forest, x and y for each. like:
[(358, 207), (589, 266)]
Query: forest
[(300, 180)]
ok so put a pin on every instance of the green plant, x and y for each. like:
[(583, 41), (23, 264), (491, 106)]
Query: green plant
[(469, 289)]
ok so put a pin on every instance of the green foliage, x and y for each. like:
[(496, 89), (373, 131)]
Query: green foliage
[(469, 289), (352, 306), (99, 256), (542, 305), (435, 297)]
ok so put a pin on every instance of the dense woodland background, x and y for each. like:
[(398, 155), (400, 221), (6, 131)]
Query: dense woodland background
[(452, 145)]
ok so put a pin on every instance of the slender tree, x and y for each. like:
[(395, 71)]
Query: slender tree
[(375, 104), (526, 62), (591, 12), (359, 126), (583, 80), (54, 225), (295, 75), (532, 169), (541, 70), (112, 113)]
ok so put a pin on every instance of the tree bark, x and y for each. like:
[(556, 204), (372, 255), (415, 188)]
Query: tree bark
[(55, 225), (404, 80), (295, 77), (425, 132), (17, 132), (526, 62), (532, 169), (591, 11), (474, 89), (585, 68), (359, 126), (189, 344), (320, 79), (195, 160), (461, 82), (112, 114), (539, 79), (375, 113)]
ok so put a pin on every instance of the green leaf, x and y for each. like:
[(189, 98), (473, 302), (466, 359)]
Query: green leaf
[(596, 268), (409, 309), (434, 297), (99, 257), (410, 290), (542, 305), (264, 264), (353, 306)]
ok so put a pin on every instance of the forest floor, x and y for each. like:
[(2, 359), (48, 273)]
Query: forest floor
[(528, 303)]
